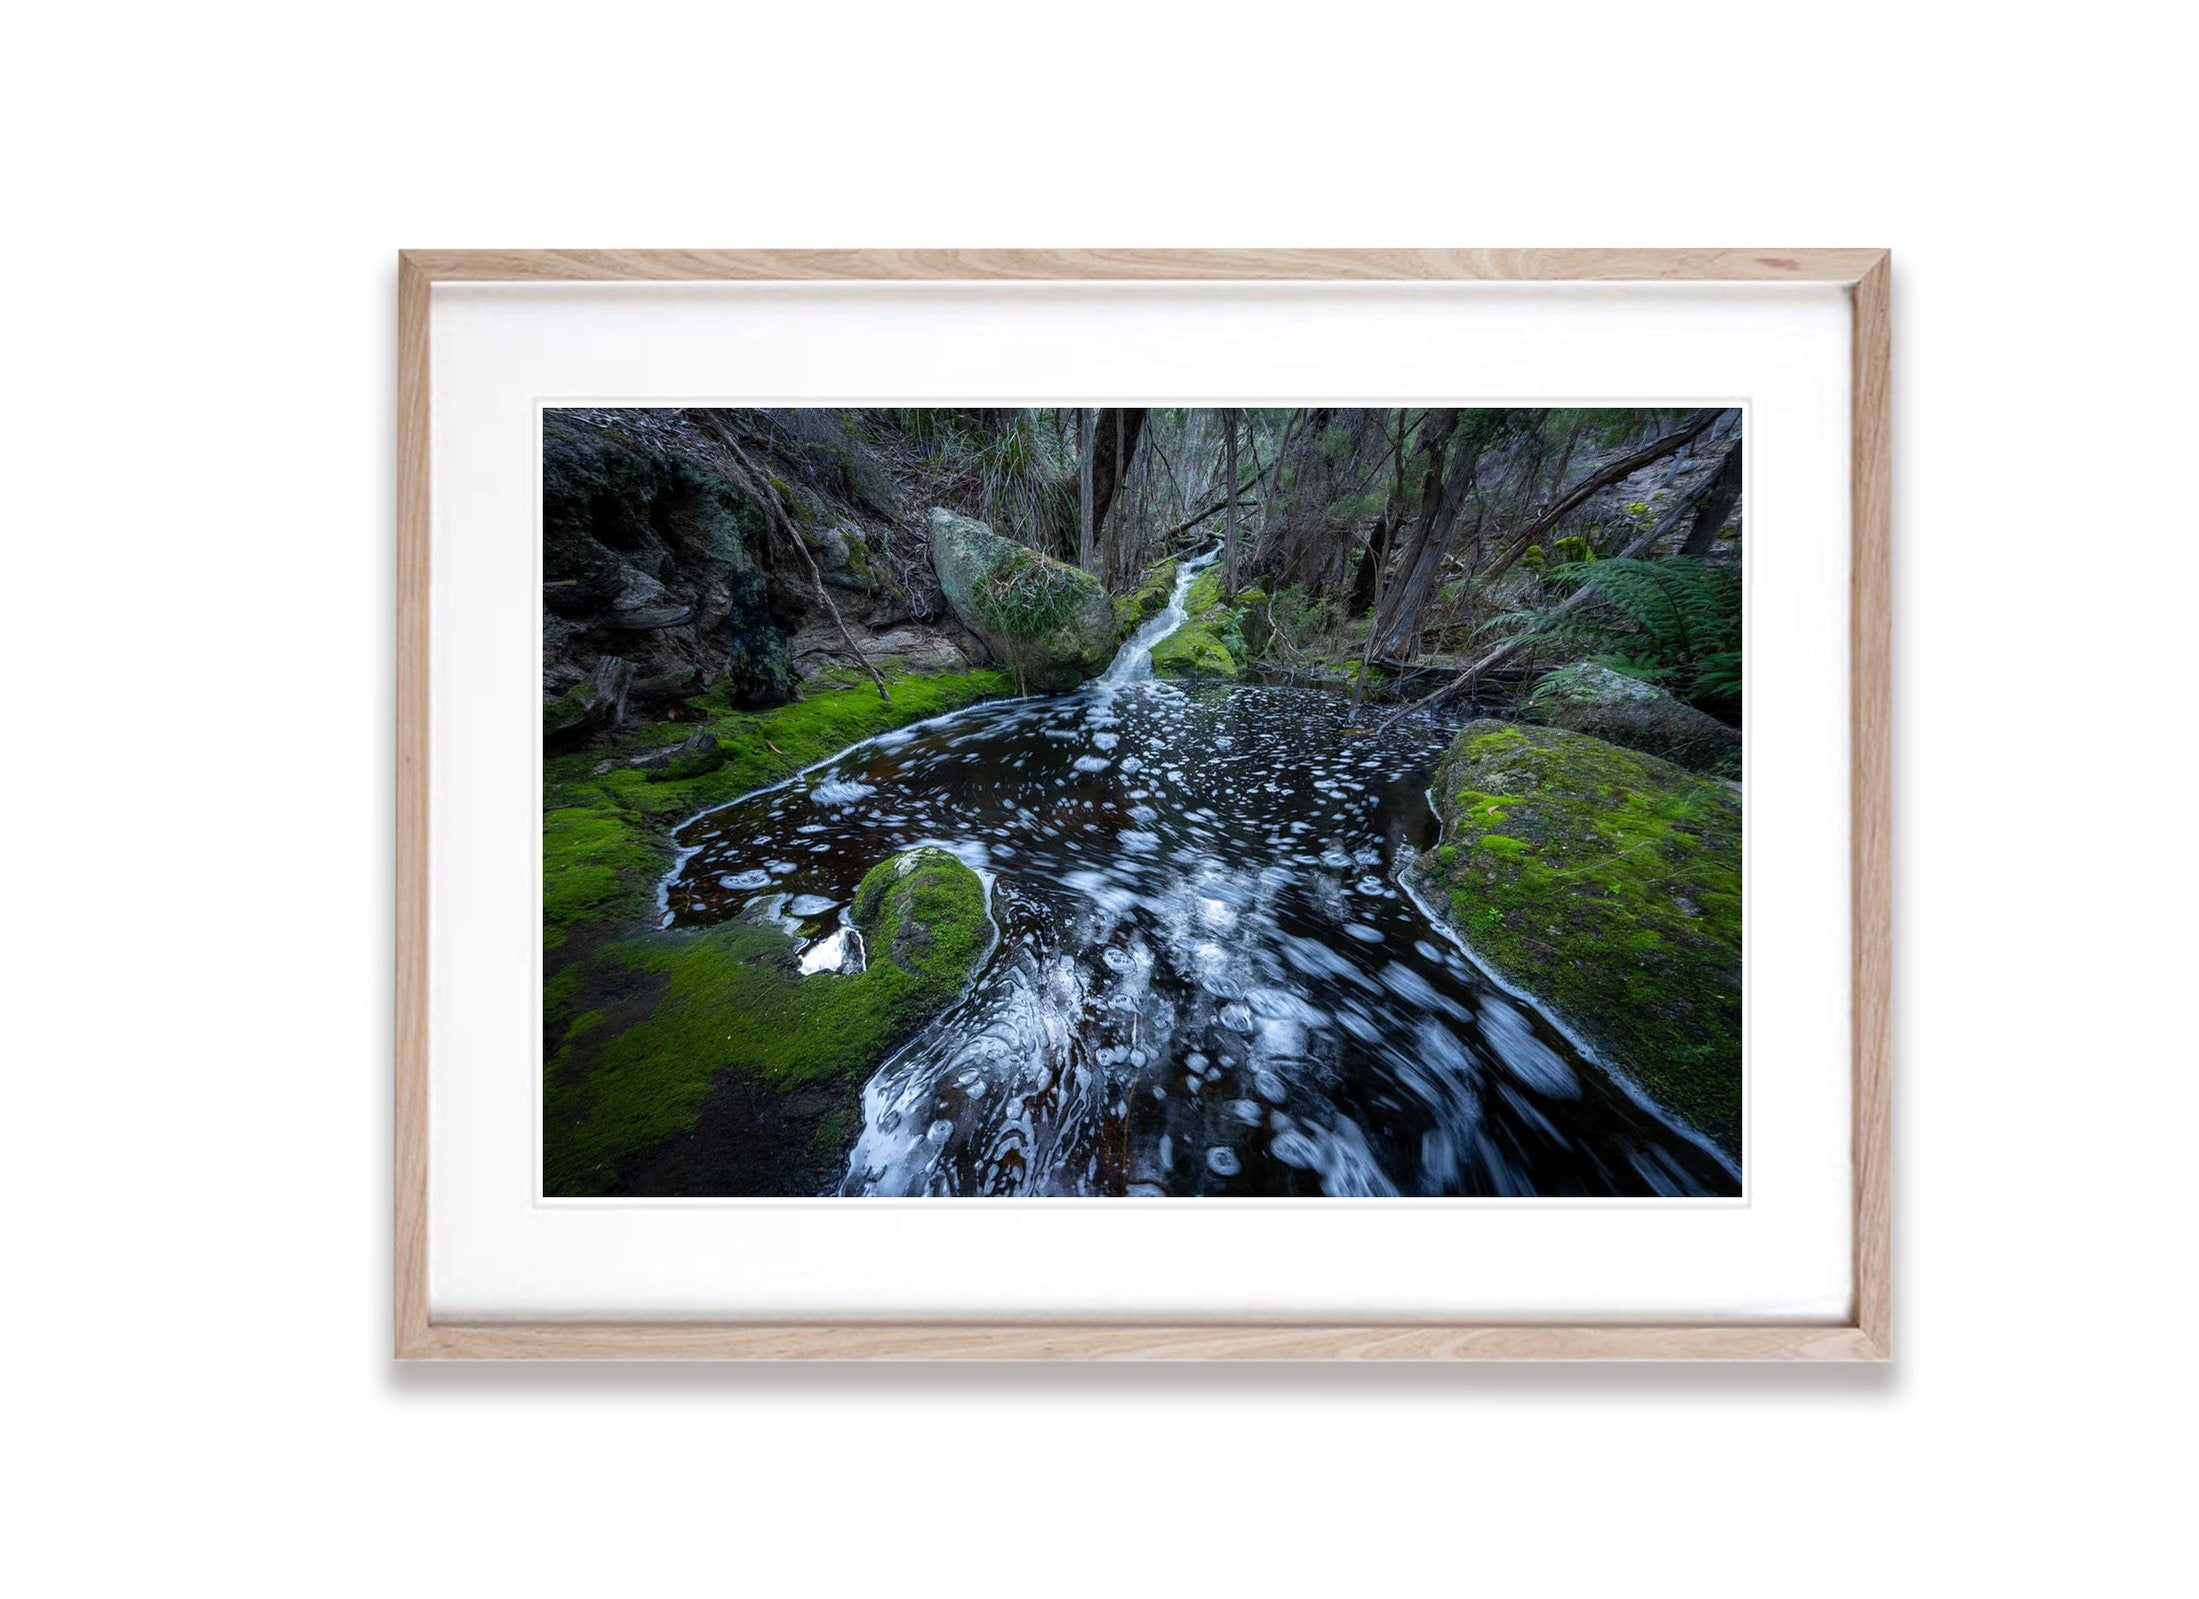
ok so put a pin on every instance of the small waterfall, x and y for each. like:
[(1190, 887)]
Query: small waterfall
[(1134, 661)]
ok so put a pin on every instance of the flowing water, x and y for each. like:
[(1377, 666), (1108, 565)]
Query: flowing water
[(1208, 980)]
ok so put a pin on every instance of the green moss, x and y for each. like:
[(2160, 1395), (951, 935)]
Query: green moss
[(603, 843), (1608, 883), (674, 1010), (1211, 641), (1147, 600), (566, 710), (1191, 651), (594, 863), (637, 1021), (701, 761)]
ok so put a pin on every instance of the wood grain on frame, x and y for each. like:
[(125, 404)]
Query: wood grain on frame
[(1864, 1337), (1158, 266)]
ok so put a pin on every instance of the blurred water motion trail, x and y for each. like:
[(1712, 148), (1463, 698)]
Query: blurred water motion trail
[(1208, 980)]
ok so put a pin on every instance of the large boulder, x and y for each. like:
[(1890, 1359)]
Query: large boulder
[(1608, 884), (1626, 711), (1050, 623)]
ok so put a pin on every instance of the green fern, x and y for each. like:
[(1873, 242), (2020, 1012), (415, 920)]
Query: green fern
[(1674, 619)]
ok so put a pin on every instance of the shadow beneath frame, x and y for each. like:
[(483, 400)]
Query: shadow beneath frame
[(686, 1381)]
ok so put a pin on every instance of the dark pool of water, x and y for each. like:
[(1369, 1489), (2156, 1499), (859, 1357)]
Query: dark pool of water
[(1208, 979)]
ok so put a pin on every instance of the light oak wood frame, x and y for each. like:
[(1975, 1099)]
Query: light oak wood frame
[(1863, 1335)]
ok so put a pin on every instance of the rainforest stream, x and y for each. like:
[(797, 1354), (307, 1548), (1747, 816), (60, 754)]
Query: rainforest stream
[(1209, 978)]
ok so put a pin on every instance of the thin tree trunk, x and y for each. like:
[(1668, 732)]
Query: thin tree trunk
[(1442, 487), (1087, 436), (1510, 647), (1229, 535), (1378, 550), (1717, 504)]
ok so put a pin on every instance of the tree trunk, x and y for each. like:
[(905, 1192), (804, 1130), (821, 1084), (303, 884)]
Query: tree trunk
[(1367, 581), (1640, 547), (1229, 526), (1115, 435), (1717, 505), (1369, 576), (1442, 489), (1571, 501), (600, 707), (1086, 433)]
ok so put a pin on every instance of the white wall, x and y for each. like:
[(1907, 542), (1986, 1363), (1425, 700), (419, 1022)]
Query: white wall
[(198, 514)]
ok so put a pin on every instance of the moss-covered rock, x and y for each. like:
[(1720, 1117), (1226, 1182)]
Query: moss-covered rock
[(1051, 623), (1193, 651), (1592, 699), (1147, 600), (1607, 883), (1211, 641), (664, 1027), (699, 756)]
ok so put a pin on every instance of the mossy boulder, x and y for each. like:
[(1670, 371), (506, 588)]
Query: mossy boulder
[(698, 756), (1193, 651), (705, 1062), (1147, 600), (1592, 699), (1211, 640), (1052, 624), (1607, 883)]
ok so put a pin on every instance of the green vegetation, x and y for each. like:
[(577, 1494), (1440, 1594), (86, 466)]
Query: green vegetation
[(1609, 884), (1027, 595), (1147, 600), (668, 1012), (1212, 640), (1674, 620), (604, 842)]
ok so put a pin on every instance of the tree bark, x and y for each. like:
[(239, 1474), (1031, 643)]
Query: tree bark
[(1442, 489), (1229, 533), (1510, 647), (602, 706), (1115, 435), (1717, 504), (1086, 432), (1602, 478)]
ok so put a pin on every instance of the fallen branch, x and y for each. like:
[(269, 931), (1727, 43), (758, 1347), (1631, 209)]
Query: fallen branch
[(1511, 647), (1188, 524), (1626, 466)]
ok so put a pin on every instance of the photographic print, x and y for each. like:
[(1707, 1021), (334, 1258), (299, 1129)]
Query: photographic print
[(1307, 802)]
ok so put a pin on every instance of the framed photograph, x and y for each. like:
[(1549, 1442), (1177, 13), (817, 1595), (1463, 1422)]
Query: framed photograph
[(1140, 804)]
